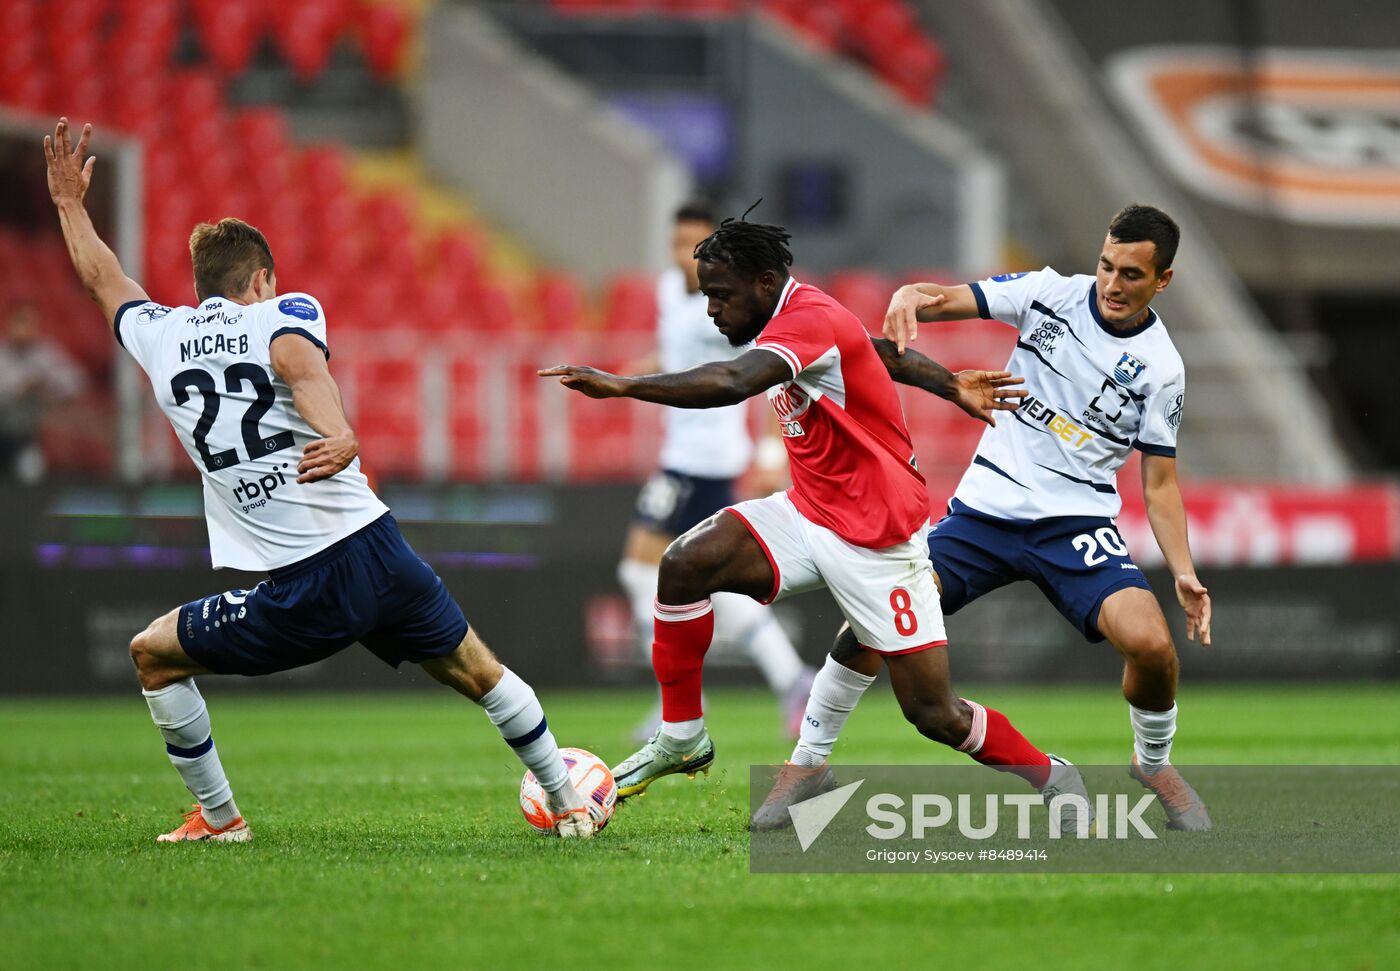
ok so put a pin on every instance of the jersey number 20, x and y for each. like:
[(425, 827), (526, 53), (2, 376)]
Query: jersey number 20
[(254, 441), (1107, 538)]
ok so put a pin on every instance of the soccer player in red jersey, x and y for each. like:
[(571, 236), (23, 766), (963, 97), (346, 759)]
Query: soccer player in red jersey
[(855, 520)]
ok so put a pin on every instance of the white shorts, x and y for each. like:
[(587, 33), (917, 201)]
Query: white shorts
[(888, 596)]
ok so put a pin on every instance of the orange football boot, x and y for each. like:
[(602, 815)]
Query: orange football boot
[(196, 827)]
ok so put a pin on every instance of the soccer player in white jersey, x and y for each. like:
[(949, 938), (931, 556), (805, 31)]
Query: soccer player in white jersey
[(1039, 500), (243, 378), (702, 454)]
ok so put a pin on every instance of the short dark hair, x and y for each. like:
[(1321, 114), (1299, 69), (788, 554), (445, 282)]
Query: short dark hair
[(225, 257), (696, 211), (749, 248), (1147, 224)]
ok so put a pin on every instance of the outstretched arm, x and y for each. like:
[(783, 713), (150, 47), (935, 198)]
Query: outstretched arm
[(979, 393), (97, 266), (922, 303), (707, 386), (1167, 513), (316, 397)]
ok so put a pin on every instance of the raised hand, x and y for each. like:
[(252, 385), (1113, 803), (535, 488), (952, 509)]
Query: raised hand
[(1195, 600), (69, 175), (901, 319), (979, 393), (587, 380)]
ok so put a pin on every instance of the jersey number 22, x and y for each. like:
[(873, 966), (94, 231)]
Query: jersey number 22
[(235, 375)]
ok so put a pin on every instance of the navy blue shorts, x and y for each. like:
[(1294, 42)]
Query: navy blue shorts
[(1076, 561), (368, 587), (673, 502)]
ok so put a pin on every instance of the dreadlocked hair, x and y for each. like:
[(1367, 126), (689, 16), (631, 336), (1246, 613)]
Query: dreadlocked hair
[(749, 248)]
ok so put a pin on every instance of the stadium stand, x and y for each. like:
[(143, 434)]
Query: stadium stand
[(884, 35), (420, 300)]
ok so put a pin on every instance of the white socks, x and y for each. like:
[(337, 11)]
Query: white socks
[(743, 620), (683, 731), (179, 712), (835, 692), (517, 715), (1152, 735), (638, 580)]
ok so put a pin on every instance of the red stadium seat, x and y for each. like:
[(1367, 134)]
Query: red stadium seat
[(468, 424), (865, 294), (460, 254), (914, 67), (229, 31), (880, 27), (307, 33), (562, 306), (384, 396), (629, 305), (384, 31)]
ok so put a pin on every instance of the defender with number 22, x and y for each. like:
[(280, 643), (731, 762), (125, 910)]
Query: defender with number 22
[(243, 378)]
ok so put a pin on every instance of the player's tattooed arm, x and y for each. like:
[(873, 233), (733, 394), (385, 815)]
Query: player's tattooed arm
[(316, 397), (69, 178), (711, 385), (979, 393), (1167, 514)]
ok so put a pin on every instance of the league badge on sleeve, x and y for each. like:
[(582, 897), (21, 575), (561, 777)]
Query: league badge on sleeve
[(1008, 277), (1171, 411), (1128, 369), (298, 307)]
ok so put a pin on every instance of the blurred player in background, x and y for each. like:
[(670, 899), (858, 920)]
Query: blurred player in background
[(855, 520), (35, 375), (244, 380), (1039, 500), (703, 453)]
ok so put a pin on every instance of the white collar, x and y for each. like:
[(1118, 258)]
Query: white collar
[(789, 288)]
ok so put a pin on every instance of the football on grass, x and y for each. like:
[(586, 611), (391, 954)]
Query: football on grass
[(591, 777)]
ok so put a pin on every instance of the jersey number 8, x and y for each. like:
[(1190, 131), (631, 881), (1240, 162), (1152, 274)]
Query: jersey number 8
[(254, 441)]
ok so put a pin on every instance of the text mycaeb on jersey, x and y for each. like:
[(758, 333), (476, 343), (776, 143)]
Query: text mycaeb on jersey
[(211, 369)]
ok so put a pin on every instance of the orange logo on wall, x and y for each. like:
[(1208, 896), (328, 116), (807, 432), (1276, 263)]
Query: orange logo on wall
[(1312, 135)]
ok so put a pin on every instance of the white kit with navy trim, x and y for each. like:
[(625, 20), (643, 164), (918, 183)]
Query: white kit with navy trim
[(1095, 394), (211, 369), (712, 443)]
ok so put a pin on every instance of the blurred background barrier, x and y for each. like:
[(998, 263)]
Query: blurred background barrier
[(85, 569)]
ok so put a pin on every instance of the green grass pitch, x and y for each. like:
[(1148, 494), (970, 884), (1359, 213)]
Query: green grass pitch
[(388, 836)]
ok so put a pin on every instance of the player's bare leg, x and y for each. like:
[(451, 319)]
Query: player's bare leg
[(637, 573), (472, 670), (738, 620), (923, 687), (166, 674), (1133, 622), (718, 555), (848, 672)]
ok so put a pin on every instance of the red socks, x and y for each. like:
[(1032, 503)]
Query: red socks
[(682, 637), (995, 741)]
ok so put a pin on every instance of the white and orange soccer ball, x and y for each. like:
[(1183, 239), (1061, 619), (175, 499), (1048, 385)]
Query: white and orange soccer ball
[(591, 777)]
